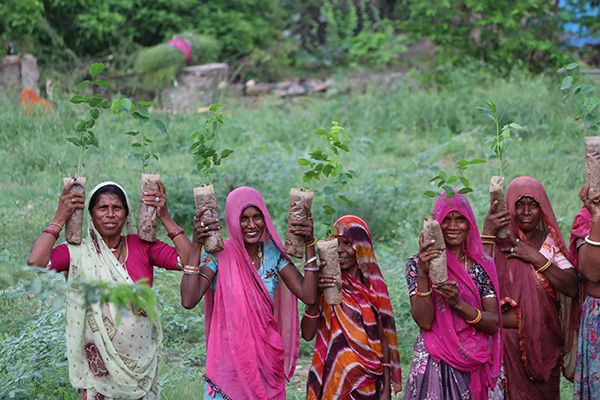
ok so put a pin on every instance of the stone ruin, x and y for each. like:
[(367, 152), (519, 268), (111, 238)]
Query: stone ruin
[(18, 73)]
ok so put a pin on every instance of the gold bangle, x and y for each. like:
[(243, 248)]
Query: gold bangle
[(545, 266), (477, 318), (488, 236), (191, 269), (205, 276), (59, 226), (487, 242), (313, 243)]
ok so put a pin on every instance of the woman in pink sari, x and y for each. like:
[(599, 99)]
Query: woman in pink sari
[(251, 319), (536, 278), (457, 354)]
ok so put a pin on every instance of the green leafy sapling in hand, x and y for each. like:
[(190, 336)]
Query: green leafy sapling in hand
[(447, 181), (500, 140), (208, 160), (95, 103), (203, 147), (584, 96), (325, 165), (141, 115)]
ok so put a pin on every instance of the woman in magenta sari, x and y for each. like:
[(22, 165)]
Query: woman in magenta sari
[(585, 254), (251, 319), (536, 284), (457, 352)]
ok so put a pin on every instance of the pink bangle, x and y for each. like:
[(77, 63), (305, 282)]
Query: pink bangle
[(311, 316), (386, 365), (53, 232), (175, 232)]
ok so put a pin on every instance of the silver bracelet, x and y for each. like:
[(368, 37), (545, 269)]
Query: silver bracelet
[(589, 241), (179, 264), (313, 258)]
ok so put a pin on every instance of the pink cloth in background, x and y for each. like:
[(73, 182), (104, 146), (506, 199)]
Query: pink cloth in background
[(451, 339), (141, 259), (184, 47), (252, 342)]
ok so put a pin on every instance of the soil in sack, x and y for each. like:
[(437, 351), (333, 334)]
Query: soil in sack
[(74, 226), (148, 219), (294, 244), (592, 164), (497, 193), (327, 250), (438, 267), (204, 196)]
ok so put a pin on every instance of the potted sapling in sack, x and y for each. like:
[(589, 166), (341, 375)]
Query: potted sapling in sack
[(86, 137), (148, 219), (208, 159), (499, 145), (325, 166), (438, 267)]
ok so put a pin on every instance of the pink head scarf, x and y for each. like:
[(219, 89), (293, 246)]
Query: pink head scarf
[(184, 47), (451, 339), (252, 342)]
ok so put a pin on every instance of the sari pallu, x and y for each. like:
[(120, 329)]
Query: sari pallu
[(533, 352), (252, 342), (451, 339), (108, 360)]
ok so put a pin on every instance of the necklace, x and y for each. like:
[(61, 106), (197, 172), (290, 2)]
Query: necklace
[(258, 255), (465, 258), (114, 249)]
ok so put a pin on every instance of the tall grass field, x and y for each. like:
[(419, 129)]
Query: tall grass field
[(402, 136)]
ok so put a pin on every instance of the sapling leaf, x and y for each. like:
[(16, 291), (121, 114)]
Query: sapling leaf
[(303, 162), (96, 69), (76, 99), (102, 83), (320, 132), (83, 84), (145, 103), (160, 125), (566, 83), (132, 133)]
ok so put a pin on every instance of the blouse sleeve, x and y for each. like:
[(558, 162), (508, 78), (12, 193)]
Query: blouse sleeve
[(210, 261), (60, 260), (412, 272), (551, 251), (163, 255), (482, 281)]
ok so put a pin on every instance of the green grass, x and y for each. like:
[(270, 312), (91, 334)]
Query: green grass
[(401, 137)]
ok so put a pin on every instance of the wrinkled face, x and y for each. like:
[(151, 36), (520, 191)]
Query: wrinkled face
[(527, 213), (346, 253), (109, 215), (455, 228), (252, 224)]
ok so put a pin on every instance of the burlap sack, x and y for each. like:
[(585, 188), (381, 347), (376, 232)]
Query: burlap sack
[(497, 193), (293, 244), (592, 164), (204, 196), (327, 249), (148, 219), (74, 226), (438, 267)]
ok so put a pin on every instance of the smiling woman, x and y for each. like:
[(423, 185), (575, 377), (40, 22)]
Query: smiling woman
[(95, 342), (251, 317)]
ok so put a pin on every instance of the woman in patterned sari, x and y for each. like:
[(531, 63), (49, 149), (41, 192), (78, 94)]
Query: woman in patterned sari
[(536, 284), (585, 254), (251, 311), (356, 351), (109, 360), (457, 354)]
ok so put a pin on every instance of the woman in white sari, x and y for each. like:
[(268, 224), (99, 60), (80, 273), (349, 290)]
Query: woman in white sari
[(110, 360)]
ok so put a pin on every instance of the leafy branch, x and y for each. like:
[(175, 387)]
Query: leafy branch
[(583, 95), (325, 165), (501, 137), (87, 137), (203, 146), (446, 181), (141, 115)]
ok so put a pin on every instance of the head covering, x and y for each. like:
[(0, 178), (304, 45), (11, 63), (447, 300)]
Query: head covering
[(252, 341), (98, 360), (451, 339), (348, 352), (542, 312)]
